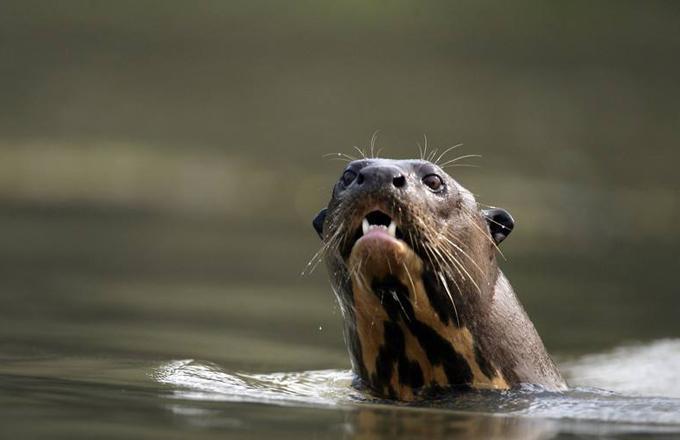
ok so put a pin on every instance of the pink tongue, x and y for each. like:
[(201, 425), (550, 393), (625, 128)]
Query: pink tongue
[(377, 231)]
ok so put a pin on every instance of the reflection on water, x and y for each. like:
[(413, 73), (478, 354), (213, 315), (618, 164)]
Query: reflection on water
[(380, 423)]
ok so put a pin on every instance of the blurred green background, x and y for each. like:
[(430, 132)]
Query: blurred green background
[(160, 164)]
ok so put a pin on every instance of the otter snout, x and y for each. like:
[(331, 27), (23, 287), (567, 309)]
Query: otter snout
[(376, 177)]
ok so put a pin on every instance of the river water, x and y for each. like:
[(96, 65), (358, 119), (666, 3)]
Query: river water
[(112, 397)]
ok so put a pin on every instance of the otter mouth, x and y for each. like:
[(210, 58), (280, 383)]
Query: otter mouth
[(377, 225), (380, 252)]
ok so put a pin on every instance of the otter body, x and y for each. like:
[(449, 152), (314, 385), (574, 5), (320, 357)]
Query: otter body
[(412, 261)]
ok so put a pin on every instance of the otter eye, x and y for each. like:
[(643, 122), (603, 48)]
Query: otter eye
[(433, 181), (348, 177)]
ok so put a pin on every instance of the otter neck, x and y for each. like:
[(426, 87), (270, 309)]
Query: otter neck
[(411, 333)]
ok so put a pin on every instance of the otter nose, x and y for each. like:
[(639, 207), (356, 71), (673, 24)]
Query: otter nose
[(378, 176)]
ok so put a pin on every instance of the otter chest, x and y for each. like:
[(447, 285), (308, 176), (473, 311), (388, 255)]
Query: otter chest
[(411, 341)]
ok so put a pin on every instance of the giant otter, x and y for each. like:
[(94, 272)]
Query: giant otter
[(412, 261)]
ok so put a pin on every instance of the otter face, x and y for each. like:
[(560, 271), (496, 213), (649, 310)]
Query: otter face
[(412, 261), (382, 204)]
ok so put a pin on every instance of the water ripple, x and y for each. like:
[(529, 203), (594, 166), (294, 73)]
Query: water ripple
[(628, 370)]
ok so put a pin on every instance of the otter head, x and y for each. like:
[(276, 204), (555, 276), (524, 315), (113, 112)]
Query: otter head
[(412, 262)]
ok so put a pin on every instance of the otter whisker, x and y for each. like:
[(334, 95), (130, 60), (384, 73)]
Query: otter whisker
[(472, 280), (442, 259), (341, 159), (484, 204), (446, 151), (315, 260), (312, 263), (460, 266), (413, 286), (462, 165), (396, 298), (472, 216), (448, 292), (363, 282), (342, 156), (452, 256), (466, 156), (484, 234), (463, 252), (360, 279), (319, 255), (432, 155), (353, 271), (356, 272), (432, 259), (374, 138), (423, 150)]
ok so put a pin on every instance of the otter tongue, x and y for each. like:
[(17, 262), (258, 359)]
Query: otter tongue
[(366, 226)]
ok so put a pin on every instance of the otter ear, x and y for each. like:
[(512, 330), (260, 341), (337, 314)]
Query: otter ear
[(500, 223), (318, 222)]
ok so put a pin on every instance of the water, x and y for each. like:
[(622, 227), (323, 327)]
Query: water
[(650, 404), (99, 397), (331, 388)]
